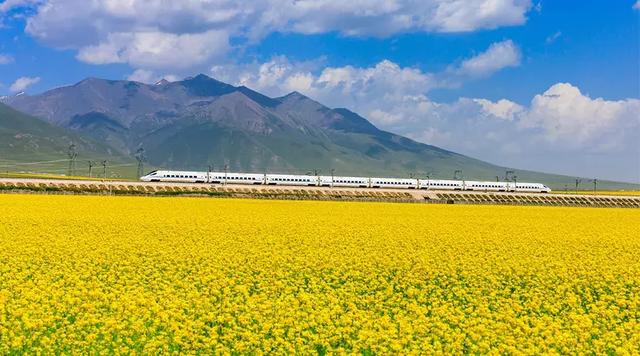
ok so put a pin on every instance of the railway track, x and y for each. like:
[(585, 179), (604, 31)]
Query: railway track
[(55, 186)]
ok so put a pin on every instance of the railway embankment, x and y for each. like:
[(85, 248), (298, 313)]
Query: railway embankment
[(97, 187)]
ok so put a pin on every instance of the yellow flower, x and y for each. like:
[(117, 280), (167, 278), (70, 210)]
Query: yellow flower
[(89, 274)]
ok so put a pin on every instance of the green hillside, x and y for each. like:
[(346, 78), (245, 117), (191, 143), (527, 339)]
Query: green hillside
[(28, 144)]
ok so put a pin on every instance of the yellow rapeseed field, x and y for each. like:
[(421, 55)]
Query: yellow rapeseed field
[(83, 274)]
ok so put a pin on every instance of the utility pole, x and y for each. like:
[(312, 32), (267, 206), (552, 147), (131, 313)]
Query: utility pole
[(104, 169), (226, 167), (140, 157), (515, 183), (332, 173), (209, 169), (595, 185), (497, 179), (578, 181), (90, 168), (73, 154), (507, 174)]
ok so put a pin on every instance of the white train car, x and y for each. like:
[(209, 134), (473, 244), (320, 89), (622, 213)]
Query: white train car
[(394, 183), (441, 184), (235, 178), (532, 188), (175, 176), (488, 186), (353, 182), (291, 179)]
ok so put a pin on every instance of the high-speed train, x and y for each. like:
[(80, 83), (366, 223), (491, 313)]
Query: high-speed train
[(338, 181)]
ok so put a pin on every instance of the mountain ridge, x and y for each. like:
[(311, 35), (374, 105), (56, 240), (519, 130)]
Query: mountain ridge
[(198, 121)]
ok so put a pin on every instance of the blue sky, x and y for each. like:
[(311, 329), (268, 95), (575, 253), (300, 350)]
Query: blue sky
[(544, 85)]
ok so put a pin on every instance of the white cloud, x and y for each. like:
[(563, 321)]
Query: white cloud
[(5, 58), (637, 5), (157, 49), (384, 118), (568, 116), (142, 76), (554, 37), (128, 31), (149, 77), (22, 83), (502, 109), (498, 56), (8, 5), (459, 16), (357, 17)]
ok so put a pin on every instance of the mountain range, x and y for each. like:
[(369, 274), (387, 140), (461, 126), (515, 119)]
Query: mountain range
[(199, 121)]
